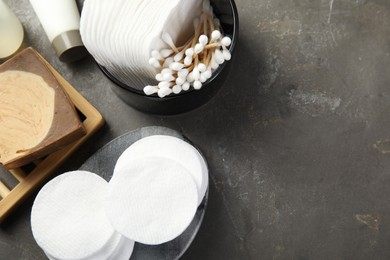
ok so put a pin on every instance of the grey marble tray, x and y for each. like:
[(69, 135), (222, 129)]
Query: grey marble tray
[(103, 162)]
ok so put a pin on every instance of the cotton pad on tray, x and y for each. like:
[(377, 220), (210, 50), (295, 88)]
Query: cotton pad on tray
[(68, 220), (151, 200), (171, 148)]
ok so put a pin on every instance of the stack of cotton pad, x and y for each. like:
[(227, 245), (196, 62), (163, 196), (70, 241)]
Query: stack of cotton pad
[(68, 220), (121, 34), (157, 185)]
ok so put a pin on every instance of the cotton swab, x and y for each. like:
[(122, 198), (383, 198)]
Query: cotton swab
[(193, 63)]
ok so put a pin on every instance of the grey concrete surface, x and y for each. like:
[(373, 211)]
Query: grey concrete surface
[(298, 138)]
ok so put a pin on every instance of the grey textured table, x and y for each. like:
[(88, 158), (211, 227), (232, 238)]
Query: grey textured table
[(298, 139)]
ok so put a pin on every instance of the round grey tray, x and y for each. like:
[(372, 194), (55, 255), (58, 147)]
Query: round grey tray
[(103, 162)]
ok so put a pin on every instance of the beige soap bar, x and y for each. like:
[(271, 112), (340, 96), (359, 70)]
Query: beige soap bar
[(36, 115)]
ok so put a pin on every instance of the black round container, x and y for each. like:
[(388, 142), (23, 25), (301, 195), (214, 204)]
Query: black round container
[(226, 11)]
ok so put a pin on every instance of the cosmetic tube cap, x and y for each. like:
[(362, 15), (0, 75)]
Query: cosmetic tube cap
[(69, 46)]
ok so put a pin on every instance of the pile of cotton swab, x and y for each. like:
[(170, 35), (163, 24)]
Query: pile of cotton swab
[(192, 64)]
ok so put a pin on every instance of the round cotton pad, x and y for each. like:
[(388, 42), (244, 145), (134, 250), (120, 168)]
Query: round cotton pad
[(171, 148), (151, 200), (123, 250), (68, 219)]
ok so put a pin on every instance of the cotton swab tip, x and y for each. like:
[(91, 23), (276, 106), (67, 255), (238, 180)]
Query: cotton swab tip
[(165, 84), (182, 73), (202, 78), (176, 66), (207, 73), (187, 60), (179, 81), (219, 57), (166, 52), (168, 77), (226, 54), (156, 54), (162, 92), (190, 77), (197, 84), (185, 86), (159, 77), (202, 67), (166, 70), (198, 48), (213, 64), (215, 35), (189, 52), (176, 89), (150, 90), (178, 56), (203, 39), (226, 41), (195, 73)]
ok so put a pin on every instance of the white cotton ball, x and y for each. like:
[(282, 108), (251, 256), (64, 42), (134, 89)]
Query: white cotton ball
[(226, 41), (202, 67), (166, 52), (189, 52), (215, 35), (198, 48), (187, 60), (203, 39), (185, 86), (179, 81), (226, 54), (176, 89), (159, 77), (219, 56), (149, 90), (197, 84)]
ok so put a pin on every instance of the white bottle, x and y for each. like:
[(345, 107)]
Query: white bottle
[(11, 32), (61, 21)]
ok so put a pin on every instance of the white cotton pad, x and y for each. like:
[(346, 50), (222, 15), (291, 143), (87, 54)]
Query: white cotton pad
[(151, 200), (68, 220), (174, 149), (118, 248), (124, 250)]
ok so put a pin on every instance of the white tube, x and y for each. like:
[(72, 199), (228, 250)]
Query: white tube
[(57, 16), (11, 32)]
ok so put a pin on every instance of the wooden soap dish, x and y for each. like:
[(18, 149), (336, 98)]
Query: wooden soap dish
[(31, 179)]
